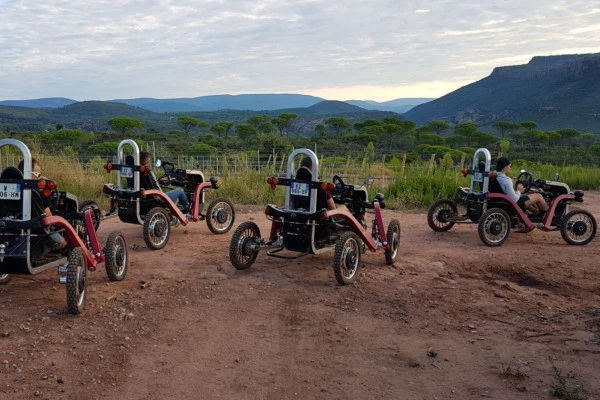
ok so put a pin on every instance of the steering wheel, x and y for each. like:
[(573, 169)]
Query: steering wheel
[(336, 180), (526, 179)]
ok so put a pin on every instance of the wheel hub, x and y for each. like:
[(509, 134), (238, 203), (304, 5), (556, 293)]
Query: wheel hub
[(222, 216), (247, 246), (159, 228), (579, 228), (351, 259), (495, 228), (443, 216)]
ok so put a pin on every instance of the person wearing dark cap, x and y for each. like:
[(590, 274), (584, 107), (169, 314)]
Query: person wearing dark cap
[(533, 202)]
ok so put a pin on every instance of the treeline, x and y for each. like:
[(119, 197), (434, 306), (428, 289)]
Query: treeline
[(332, 136)]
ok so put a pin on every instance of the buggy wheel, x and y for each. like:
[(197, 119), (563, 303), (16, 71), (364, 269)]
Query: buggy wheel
[(90, 204), (76, 280), (494, 227), (115, 256), (220, 216), (242, 250), (439, 214), (393, 239), (4, 278), (578, 227), (156, 228), (346, 260)]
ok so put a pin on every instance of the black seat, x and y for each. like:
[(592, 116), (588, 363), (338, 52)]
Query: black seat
[(494, 187), (11, 173)]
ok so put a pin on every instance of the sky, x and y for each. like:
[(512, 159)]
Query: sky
[(339, 50)]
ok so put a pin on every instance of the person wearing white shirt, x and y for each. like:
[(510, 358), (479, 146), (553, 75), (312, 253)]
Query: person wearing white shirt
[(533, 202)]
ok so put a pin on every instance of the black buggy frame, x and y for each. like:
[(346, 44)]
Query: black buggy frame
[(153, 209), (27, 234), (497, 214), (307, 227)]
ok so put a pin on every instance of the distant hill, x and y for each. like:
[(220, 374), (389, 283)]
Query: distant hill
[(555, 91), (253, 102), (94, 115), (51, 102), (333, 107), (398, 105)]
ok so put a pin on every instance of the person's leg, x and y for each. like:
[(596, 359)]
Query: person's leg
[(536, 203), (178, 195)]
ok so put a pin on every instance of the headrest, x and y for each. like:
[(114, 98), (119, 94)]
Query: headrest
[(11, 173)]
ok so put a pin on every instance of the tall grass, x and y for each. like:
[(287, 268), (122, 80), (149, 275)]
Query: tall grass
[(409, 186), (83, 180)]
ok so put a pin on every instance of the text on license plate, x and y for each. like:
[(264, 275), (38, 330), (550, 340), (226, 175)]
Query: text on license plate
[(299, 189), (477, 176), (126, 172), (10, 191)]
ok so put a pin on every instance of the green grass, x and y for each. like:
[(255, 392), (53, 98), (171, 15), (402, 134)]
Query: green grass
[(414, 186)]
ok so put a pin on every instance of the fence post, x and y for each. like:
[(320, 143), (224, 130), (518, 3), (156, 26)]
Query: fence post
[(403, 165), (347, 165), (462, 161), (383, 168), (281, 165), (431, 163)]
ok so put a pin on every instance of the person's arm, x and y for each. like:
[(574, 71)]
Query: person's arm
[(507, 187)]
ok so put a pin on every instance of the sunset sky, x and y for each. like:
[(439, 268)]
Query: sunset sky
[(339, 50)]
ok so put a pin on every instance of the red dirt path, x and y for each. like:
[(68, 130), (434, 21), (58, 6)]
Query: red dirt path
[(496, 319)]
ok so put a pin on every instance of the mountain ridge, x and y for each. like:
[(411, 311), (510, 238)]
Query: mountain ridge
[(556, 92), (244, 102)]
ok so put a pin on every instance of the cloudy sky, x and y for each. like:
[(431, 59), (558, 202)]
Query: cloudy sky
[(340, 50)]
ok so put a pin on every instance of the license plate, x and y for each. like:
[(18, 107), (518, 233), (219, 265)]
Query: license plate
[(126, 172), (477, 176), (299, 189), (10, 191)]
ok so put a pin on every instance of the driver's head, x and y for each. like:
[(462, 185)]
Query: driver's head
[(306, 162), (35, 168), (502, 165), (145, 158)]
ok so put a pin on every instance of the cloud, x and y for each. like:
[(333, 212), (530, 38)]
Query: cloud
[(162, 48)]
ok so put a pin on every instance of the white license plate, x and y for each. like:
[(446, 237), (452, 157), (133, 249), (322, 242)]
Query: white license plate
[(477, 176), (299, 189), (126, 172), (10, 191)]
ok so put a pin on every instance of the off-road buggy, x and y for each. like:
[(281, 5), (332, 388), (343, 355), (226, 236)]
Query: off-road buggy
[(497, 214), (152, 208), (305, 226), (30, 239)]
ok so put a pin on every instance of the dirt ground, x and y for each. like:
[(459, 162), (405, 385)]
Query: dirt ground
[(452, 319)]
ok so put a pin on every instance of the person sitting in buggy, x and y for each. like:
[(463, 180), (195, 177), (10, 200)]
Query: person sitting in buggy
[(40, 204), (149, 181), (533, 202), (323, 200)]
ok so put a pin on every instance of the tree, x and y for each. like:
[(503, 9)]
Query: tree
[(338, 123), (505, 127), (529, 125), (568, 134), (320, 129), (284, 122), (467, 130), (222, 128), (125, 124), (59, 127), (438, 126), (187, 123), (257, 120), (246, 131), (431, 139)]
